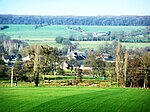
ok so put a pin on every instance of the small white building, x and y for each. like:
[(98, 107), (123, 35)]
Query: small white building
[(27, 58)]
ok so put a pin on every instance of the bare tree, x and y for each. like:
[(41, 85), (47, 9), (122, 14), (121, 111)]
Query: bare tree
[(145, 60), (36, 64), (125, 68)]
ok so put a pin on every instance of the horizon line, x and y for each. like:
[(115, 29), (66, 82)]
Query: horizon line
[(70, 15)]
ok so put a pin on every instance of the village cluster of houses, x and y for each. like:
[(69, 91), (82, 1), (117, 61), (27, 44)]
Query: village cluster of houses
[(77, 55)]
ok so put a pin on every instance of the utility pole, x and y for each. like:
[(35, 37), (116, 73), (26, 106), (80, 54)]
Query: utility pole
[(12, 71)]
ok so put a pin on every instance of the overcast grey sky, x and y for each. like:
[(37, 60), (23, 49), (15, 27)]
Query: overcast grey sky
[(75, 7)]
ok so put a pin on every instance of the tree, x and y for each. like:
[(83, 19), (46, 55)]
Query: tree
[(108, 48), (36, 64), (19, 71), (35, 54), (118, 63), (3, 69), (76, 20), (125, 68), (90, 60), (51, 56), (145, 61), (66, 41), (134, 73), (80, 74), (59, 39), (96, 63), (100, 64), (28, 70), (48, 59)]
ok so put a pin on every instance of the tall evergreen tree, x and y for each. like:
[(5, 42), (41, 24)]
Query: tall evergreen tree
[(118, 63)]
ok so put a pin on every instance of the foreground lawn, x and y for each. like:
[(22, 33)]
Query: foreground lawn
[(74, 99)]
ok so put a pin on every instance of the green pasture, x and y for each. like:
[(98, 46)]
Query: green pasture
[(47, 34), (135, 45), (74, 99), (91, 44), (87, 44), (95, 44), (42, 42), (28, 32)]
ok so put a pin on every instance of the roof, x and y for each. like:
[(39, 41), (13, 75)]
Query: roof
[(77, 55)]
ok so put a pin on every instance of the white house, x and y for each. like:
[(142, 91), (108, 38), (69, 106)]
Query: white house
[(27, 58)]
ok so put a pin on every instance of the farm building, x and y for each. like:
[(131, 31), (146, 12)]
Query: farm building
[(77, 55)]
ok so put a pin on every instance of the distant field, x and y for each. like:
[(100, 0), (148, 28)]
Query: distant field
[(47, 34), (135, 45), (26, 32), (74, 99), (95, 44), (41, 42), (89, 44)]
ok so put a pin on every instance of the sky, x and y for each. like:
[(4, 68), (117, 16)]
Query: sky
[(75, 7)]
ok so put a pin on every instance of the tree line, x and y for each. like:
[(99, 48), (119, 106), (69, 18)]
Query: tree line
[(76, 20)]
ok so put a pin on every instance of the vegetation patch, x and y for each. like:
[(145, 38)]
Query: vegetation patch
[(74, 99)]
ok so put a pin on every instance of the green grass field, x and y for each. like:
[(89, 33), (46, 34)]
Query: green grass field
[(28, 32), (95, 44), (47, 34), (74, 99), (89, 44)]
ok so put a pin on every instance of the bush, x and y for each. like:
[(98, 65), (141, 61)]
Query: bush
[(59, 39)]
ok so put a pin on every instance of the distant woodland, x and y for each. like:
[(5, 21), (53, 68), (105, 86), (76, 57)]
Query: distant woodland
[(76, 20)]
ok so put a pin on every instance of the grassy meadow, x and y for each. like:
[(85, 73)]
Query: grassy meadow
[(47, 34), (74, 99), (88, 44), (95, 44), (28, 32)]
